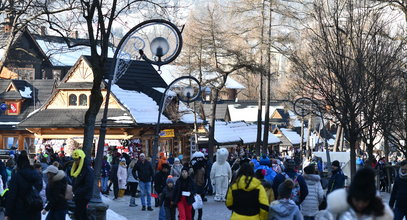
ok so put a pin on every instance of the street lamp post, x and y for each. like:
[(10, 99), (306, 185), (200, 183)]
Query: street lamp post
[(186, 93), (157, 33)]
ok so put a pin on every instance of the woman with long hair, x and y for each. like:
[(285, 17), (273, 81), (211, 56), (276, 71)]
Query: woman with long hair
[(246, 196), (132, 182)]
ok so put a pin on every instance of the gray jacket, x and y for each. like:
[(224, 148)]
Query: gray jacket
[(130, 177), (284, 209), (309, 207)]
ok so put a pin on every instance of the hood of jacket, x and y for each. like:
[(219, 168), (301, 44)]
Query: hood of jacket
[(241, 183), (29, 174), (59, 176), (283, 207), (312, 179)]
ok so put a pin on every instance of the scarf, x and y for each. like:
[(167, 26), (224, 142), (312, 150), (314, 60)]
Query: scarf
[(77, 168)]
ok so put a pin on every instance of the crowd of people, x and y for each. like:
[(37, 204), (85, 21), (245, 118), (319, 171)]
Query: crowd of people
[(251, 187)]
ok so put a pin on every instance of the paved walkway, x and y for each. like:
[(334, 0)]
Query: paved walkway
[(211, 210)]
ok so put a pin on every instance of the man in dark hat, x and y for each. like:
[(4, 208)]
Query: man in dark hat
[(300, 190), (337, 180)]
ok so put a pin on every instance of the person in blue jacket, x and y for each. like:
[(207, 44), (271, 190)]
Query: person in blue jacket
[(337, 180), (300, 190)]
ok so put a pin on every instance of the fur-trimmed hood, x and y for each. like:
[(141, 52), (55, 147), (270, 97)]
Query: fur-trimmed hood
[(338, 206), (59, 176)]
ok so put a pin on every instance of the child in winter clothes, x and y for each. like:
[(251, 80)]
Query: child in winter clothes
[(284, 208), (122, 177), (166, 198)]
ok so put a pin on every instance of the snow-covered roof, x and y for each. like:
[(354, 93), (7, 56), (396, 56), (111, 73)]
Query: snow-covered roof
[(224, 134), (248, 133), (291, 135), (143, 108), (294, 119), (187, 115), (248, 113), (171, 72), (61, 55)]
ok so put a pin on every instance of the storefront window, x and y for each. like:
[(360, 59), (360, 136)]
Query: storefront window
[(83, 100), (10, 142), (73, 100)]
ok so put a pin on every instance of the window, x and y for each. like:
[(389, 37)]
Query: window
[(25, 73), (73, 100), (10, 142), (83, 100)]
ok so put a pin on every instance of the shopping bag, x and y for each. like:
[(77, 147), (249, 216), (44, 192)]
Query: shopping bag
[(198, 204)]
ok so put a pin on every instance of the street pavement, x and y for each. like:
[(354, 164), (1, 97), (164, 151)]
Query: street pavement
[(211, 210)]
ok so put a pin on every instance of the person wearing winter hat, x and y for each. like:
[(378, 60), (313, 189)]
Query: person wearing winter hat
[(166, 199), (360, 201), (284, 208), (145, 173), (82, 186), (184, 193), (309, 207), (160, 181), (337, 180), (122, 177), (55, 192), (399, 193), (176, 169)]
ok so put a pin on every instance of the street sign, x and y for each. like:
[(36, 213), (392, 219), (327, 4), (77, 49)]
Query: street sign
[(3, 106), (167, 133)]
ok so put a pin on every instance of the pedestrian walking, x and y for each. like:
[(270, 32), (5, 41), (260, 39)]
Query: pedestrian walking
[(55, 191), (246, 196), (337, 180), (105, 172), (284, 208), (199, 178), (113, 177), (82, 187), (398, 198), (132, 182), (176, 169), (160, 181), (145, 175), (309, 207), (184, 195), (267, 185), (360, 202), (167, 199), (300, 190), (24, 186), (122, 177)]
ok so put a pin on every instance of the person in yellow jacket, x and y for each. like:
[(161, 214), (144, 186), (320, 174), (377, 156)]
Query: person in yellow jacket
[(246, 197)]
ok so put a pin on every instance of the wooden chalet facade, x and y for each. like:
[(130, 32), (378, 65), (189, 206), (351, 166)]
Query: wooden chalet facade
[(62, 116)]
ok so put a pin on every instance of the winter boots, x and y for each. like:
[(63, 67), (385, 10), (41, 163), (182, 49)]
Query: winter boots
[(132, 202)]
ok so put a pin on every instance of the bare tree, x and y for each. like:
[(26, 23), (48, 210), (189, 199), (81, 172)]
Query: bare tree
[(344, 60)]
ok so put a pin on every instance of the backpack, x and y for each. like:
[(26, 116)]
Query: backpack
[(296, 192)]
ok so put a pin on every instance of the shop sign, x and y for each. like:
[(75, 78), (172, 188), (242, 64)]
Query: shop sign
[(13, 108), (167, 133)]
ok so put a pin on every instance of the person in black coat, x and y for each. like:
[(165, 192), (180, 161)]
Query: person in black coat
[(82, 186), (166, 199), (184, 195), (399, 193), (337, 180), (113, 176), (3, 173), (160, 180), (20, 186), (145, 175), (55, 192)]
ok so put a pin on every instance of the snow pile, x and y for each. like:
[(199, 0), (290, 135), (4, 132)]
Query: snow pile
[(26, 93), (143, 108), (125, 119), (187, 115)]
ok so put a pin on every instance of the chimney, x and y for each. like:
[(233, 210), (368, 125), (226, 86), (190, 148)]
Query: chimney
[(43, 31)]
